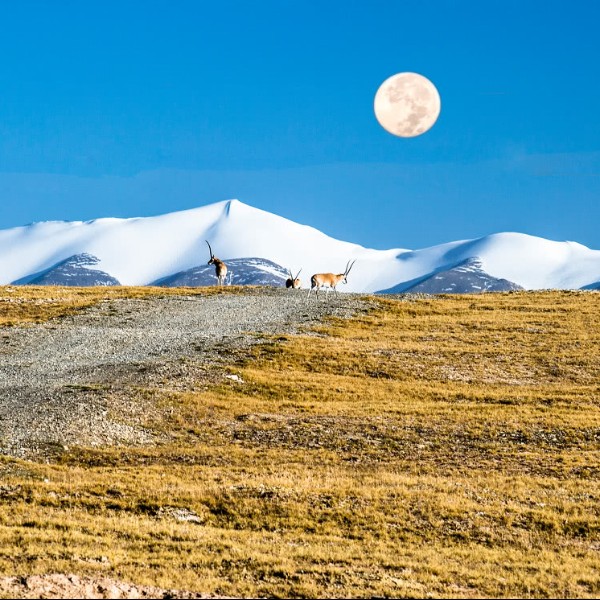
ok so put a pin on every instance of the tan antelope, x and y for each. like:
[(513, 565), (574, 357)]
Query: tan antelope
[(329, 280), (220, 266), (293, 282)]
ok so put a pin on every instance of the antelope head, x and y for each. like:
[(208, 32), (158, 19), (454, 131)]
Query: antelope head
[(348, 267), (212, 256), (293, 282)]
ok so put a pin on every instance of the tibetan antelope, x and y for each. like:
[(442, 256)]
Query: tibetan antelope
[(328, 280), (293, 282), (220, 266)]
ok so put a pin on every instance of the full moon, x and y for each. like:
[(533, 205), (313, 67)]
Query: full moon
[(407, 104)]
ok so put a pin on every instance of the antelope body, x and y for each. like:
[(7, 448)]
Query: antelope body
[(293, 282), (220, 266), (329, 280)]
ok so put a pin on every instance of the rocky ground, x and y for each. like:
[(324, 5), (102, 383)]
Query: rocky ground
[(73, 586), (72, 381), (63, 382)]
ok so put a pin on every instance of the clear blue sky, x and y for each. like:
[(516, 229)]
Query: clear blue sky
[(138, 108)]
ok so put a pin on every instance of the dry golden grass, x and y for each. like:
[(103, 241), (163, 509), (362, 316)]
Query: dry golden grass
[(443, 447)]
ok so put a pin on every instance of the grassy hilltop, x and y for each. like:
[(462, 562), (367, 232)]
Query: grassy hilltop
[(443, 447)]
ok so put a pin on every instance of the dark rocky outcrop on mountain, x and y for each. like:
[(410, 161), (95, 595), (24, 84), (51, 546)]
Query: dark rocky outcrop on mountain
[(74, 271), (241, 271), (467, 277)]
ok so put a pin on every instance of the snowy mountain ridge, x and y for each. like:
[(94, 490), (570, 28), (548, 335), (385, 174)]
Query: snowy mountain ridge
[(146, 250)]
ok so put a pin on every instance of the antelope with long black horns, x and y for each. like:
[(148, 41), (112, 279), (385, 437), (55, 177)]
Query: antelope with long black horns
[(293, 282), (329, 280), (220, 266)]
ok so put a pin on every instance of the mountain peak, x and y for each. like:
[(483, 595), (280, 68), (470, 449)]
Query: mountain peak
[(229, 205)]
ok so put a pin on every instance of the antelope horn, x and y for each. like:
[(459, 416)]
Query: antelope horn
[(210, 249), (298, 273), (349, 267)]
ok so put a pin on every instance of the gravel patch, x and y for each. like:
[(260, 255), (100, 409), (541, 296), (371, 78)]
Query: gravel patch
[(73, 380), (73, 586)]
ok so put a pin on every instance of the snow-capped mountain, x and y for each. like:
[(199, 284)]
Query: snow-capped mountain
[(260, 247), (240, 271), (466, 277), (79, 270)]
